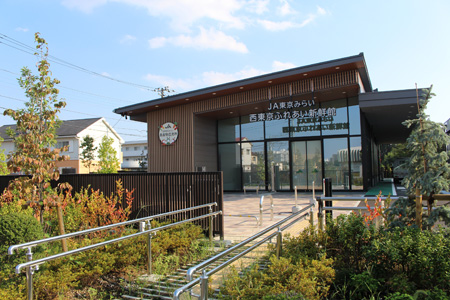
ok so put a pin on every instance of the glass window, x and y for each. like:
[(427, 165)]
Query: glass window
[(278, 156), (228, 130), (304, 124), (253, 165), (356, 163), (277, 128), (306, 164), (252, 131), (230, 165), (136, 148), (305, 127), (335, 119), (336, 162), (354, 116)]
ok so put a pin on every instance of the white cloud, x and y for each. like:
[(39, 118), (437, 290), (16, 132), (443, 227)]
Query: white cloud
[(182, 13), (206, 39), (284, 25), (285, 8), (258, 6), (278, 65), (127, 39), (22, 29), (106, 74), (277, 26)]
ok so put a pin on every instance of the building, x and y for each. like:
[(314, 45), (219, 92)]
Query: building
[(71, 134), (134, 156), (299, 123)]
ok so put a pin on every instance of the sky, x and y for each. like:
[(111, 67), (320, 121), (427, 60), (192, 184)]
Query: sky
[(113, 53)]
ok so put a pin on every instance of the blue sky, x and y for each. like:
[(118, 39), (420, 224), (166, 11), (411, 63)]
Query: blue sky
[(116, 52)]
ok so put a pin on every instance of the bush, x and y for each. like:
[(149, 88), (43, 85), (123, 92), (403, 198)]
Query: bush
[(283, 277), (18, 228)]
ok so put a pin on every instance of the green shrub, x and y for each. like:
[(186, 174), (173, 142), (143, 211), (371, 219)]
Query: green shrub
[(310, 280), (17, 228)]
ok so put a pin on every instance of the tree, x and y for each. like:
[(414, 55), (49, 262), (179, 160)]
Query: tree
[(3, 166), (88, 153), (35, 134), (109, 163), (428, 169), (143, 160)]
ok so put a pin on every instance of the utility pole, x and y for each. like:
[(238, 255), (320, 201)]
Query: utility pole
[(161, 91)]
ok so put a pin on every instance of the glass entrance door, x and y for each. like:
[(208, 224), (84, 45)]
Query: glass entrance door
[(306, 164)]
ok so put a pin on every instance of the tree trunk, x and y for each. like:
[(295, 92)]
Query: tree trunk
[(418, 208)]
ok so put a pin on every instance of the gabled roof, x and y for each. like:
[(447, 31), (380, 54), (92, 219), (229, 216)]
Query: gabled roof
[(138, 111), (67, 128)]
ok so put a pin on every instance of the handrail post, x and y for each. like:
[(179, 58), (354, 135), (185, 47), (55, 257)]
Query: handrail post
[(279, 242), (261, 201), (142, 227), (29, 274), (295, 190), (320, 213), (311, 211), (210, 225), (271, 208), (314, 191), (204, 286)]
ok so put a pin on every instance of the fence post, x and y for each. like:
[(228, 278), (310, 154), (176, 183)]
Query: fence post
[(279, 242), (327, 185), (204, 286)]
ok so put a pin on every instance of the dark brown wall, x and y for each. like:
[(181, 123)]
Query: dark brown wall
[(205, 143)]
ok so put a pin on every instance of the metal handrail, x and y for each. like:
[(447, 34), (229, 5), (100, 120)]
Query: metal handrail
[(261, 210), (101, 228), (82, 249), (321, 208), (32, 265), (191, 271)]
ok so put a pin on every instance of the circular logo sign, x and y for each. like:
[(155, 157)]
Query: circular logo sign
[(168, 133)]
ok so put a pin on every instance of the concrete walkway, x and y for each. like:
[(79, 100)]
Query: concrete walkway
[(242, 210)]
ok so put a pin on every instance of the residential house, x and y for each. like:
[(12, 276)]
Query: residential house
[(134, 156), (71, 134)]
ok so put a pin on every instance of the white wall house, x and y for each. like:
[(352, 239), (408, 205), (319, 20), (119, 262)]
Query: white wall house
[(135, 155), (71, 134)]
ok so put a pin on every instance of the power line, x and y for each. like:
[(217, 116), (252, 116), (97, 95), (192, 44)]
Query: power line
[(30, 50), (119, 119), (76, 90)]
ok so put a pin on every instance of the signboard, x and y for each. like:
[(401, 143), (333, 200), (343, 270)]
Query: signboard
[(295, 114), (168, 133)]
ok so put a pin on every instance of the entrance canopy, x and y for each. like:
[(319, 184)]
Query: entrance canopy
[(386, 111)]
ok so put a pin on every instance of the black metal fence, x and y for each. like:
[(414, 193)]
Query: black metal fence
[(155, 193)]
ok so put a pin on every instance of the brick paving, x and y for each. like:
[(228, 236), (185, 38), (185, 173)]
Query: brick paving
[(241, 211)]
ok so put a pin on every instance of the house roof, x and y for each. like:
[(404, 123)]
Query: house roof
[(138, 111), (67, 128)]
